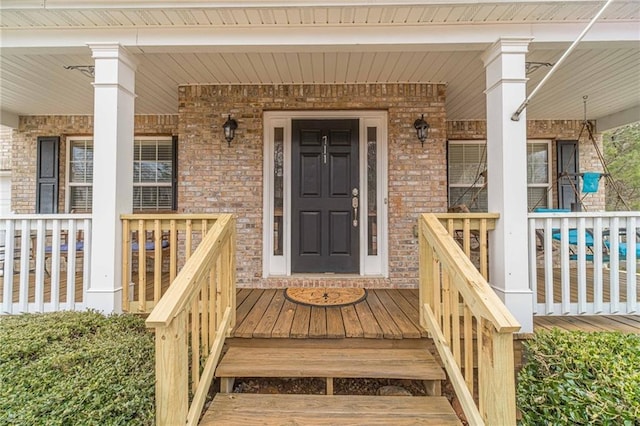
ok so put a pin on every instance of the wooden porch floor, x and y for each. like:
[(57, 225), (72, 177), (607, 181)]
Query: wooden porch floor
[(388, 314), (573, 279), (385, 314)]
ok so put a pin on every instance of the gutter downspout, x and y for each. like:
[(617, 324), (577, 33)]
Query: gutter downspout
[(516, 115)]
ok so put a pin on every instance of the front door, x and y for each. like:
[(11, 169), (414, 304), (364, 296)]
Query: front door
[(325, 196)]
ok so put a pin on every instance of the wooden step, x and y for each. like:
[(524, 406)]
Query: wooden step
[(411, 364), (260, 409)]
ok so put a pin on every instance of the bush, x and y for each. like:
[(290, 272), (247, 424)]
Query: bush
[(71, 368), (580, 378)]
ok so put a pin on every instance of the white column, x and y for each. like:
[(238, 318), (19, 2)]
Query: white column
[(112, 171), (507, 165)]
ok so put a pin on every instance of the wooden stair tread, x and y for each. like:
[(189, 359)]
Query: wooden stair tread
[(413, 364), (254, 409)]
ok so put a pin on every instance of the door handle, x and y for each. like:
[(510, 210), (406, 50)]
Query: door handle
[(354, 203)]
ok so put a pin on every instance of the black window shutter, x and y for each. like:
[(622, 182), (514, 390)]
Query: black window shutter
[(567, 156), (47, 178), (174, 171)]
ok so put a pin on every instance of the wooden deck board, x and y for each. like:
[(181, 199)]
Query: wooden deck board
[(370, 327), (282, 327), (287, 361), (573, 286), (254, 318), (268, 321), (235, 409), (335, 324), (318, 322), (352, 326), (301, 322), (397, 313), (389, 328), (591, 323)]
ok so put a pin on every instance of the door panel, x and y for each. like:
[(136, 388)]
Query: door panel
[(340, 170), (310, 175), (324, 235), (339, 229)]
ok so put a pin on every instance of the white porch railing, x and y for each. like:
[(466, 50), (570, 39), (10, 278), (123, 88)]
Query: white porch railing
[(45, 262), (584, 263)]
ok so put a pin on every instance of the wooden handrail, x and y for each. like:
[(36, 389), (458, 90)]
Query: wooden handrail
[(483, 301), (457, 305), (191, 321)]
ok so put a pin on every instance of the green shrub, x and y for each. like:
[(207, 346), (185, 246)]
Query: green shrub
[(76, 368), (578, 378)]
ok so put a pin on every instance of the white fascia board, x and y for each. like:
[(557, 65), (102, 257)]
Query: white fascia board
[(205, 4), (9, 119), (474, 37), (618, 119)]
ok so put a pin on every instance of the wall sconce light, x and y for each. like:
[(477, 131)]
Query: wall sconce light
[(230, 127), (422, 129)]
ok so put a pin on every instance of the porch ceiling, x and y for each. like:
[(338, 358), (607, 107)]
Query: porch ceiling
[(353, 43)]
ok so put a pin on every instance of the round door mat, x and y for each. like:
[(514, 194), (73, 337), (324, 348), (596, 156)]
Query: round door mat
[(325, 296)]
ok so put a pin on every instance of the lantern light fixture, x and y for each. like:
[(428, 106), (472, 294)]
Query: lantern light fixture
[(229, 128), (422, 129)]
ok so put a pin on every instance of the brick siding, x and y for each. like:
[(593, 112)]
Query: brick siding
[(5, 148), (215, 177), (24, 153), (553, 130)]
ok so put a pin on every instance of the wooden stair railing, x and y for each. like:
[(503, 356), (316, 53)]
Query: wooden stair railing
[(175, 236), (191, 322), (457, 305)]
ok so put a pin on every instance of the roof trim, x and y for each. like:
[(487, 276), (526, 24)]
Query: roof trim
[(204, 4)]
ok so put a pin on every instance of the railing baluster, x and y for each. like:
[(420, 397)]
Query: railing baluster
[(468, 348), (614, 277), (38, 253), (533, 263), (25, 260), (582, 267), (548, 265), (71, 264), (173, 249), (142, 267), (632, 259), (158, 260), (195, 343), (565, 276), (598, 247), (9, 252), (484, 245), (86, 259), (126, 264), (55, 265), (188, 241)]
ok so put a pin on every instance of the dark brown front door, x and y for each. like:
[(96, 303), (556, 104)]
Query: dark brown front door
[(324, 221)]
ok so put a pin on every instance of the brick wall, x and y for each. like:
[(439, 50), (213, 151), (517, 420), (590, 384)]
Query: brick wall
[(214, 177), (24, 151), (5, 147), (554, 130)]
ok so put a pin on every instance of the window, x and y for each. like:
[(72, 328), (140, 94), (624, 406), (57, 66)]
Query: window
[(80, 174), (467, 168), (153, 174)]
